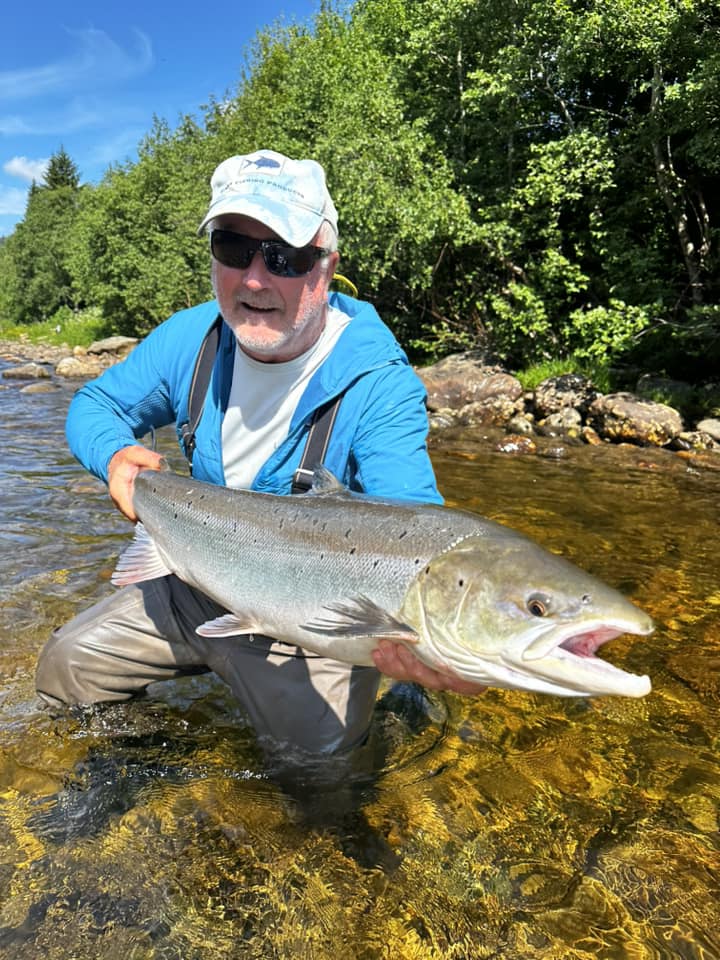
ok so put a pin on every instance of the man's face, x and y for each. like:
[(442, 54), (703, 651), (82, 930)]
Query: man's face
[(273, 318)]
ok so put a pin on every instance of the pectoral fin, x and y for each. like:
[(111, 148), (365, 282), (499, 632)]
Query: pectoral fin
[(140, 561), (360, 617), (227, 626)]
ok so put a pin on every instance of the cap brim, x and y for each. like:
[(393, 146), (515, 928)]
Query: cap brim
[(295, 225)]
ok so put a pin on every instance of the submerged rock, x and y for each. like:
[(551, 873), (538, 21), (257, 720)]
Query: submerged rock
[(27, 371)]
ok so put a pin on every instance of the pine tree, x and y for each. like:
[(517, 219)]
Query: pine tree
[(61, 171)]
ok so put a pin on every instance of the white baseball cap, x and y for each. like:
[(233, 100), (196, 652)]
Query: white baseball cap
[(288, 196)]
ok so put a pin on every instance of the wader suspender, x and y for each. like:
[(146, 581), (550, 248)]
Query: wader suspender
[(198, 387), (320, 429)]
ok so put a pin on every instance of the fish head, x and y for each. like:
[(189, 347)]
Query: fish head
[(501, 610)]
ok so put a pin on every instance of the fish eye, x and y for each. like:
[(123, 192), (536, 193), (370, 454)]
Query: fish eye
[(538, 605)]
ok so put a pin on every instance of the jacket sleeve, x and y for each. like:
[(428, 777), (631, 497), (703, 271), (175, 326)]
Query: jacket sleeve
[(127, 400), (389, 449)]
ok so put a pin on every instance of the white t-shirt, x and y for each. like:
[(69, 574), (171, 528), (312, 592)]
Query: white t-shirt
[(263, 397)]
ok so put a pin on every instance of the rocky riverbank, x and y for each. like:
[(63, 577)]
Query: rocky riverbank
[(463, 391)]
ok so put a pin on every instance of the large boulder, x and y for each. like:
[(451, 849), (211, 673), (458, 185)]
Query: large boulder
[(120, 346), (479, 393), (626, 417), (79, 367)]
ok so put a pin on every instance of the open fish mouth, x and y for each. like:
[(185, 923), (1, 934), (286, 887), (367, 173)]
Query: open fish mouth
[(574, 652), (587, 643), (560, 660)]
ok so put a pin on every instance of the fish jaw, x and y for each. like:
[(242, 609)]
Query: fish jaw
[(571, 655), (567, 668)]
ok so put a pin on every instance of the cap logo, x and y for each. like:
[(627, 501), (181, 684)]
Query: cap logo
[(261, 163)]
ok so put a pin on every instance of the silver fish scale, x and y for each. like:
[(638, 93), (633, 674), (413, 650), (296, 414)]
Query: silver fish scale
[(272, 557)]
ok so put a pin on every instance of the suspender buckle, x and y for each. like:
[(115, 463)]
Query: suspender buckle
[(302, 480)]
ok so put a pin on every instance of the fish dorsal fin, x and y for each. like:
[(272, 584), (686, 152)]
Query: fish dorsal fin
[(140, 561)]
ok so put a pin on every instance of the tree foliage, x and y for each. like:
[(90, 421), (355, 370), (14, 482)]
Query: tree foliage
[(35, 278), (540, 177), (61, 172)]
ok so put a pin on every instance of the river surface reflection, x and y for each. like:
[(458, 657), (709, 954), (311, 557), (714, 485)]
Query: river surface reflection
[(510, 825)]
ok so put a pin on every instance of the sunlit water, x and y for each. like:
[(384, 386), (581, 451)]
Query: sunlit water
[(510, 825)]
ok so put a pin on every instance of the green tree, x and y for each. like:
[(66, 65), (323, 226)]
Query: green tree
[(61, 172), (34, 269), (333, 94), (136, 254)]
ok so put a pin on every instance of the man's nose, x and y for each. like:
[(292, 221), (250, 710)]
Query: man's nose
[(256, 274)]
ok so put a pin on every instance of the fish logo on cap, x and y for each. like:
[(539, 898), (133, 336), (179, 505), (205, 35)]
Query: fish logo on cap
[(265, 162), (260, 163)]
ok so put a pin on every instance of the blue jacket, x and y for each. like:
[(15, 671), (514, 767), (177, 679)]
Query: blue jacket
[(378, 443)]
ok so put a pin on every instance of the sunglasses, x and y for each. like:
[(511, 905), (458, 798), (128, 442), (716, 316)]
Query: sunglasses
[(236, 250)]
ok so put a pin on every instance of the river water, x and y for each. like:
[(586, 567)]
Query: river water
[(509, 825)]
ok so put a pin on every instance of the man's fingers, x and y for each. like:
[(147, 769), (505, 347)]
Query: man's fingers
[(124, 466), (397, 661)]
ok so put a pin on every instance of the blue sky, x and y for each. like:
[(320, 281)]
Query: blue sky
[(90, 77)]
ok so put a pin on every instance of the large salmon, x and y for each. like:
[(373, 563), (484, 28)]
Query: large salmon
[(333, 572)]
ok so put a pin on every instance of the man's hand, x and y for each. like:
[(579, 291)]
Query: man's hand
[(398, 662), (124, 466)]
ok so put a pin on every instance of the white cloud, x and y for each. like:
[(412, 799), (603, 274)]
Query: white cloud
[(97, 62), (26, 169), (12, 201)]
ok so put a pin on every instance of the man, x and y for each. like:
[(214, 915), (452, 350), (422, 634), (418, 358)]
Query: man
[(286, 347)]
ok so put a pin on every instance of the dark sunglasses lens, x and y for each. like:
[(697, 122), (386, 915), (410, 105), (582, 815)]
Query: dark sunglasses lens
[(236, 250), (285, 261), (233, 249)]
